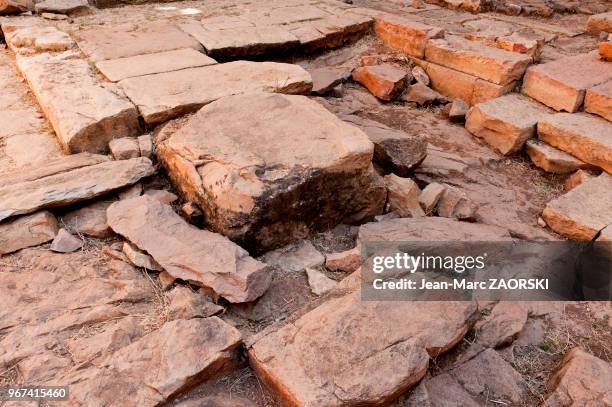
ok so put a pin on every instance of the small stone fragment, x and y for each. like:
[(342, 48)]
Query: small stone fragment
[(324, 80), (54, 16), (90, 220), (162, 196), (346, 261), (384, 81), (124, 148), (69, 7), (430, 196), (145, 144), (192, 213), (165, 280), (319, 283), (576, 179), (295, 257), (455, 204), (186, 304), (458, 110), (140, 259), (403, 196), (27, 231), (64, 242), (420, 75), (600, 23), (422, 95)]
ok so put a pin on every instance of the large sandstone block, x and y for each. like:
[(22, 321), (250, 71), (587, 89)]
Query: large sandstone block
[(583, 211), (70, 186), (600, 22), (128, 40), (139, 65), (562, 84), (459, 85), (406, 35), (598, 100), (286, 167), (85, 114), (187, 90), (27, 231), (186, 252), (582, 135), (475, 58), (505, 123), (350, 353)]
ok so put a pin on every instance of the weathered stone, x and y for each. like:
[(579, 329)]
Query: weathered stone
[(139, 65), (459, 85), (319, 283), (187, 90), (582, 380), (140, 259), (188, 253), (325, 79), (64, 242), (384, 81), (11, 7), (582, 135), (472, 57), (583, 211), (69, 7), (502, 326), (131, 192), (420, 75), (394, 150), (31, 39), (241, 42), (605, 49), (161, 365), (124, 148), (551, 159), (522, 42), (600, 22), (598, 100), (422, 95), (263, 190), (574, 180), (27, 231), (404, 34), (346, 261), (430, 196), (191, 213), (166, 280), (438, 390), (507, 122), (298, 359), (145, 145), (85, 114), (71, 186), (403, 196), (53, 16), (562, 84), (458, 111), (187, 304), (162, 196), (455, 204), (295, 257), (90, 220), (128, 40)]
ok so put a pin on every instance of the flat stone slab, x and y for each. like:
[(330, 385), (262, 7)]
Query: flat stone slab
[(582, 135), (598, 100), (583, 211), (71, 186), (61, 6), (325, 79), (404, 34), (562, 84), (384, 81), (139, 65), (263, 190), (475, 58), (186, 252), (459, 85), (27, 231), (326, 356), (505, 123), (243, 41), (128, 40), (553, 160), (187, 90)]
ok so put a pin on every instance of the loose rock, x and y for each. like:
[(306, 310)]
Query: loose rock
[(346, 262), (403, 196), (430, 196), (295, 257), (64, 242), (90, 220), (27, 231), (124, 148), (140, 259), (384, 81), (319, 283), (552, 160), (458, 111)]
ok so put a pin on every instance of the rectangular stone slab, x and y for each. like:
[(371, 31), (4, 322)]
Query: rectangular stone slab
[(165, 96), (128, 40), (27, 231), (475, 58), (562, 84), (583, 211), (598, 100), (268, 168), (553, 160), (85, 114), (168, 61), (71, 186), (505, 123), (582, 135), (242, 41), (406, 35), (189, 253)]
